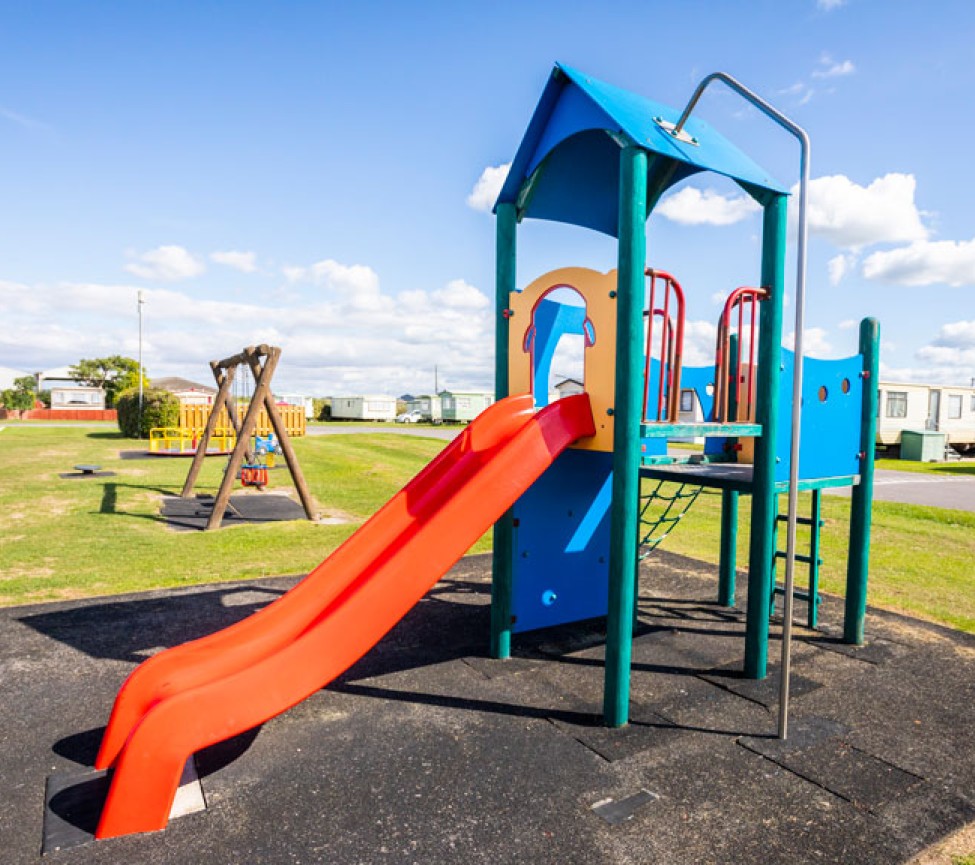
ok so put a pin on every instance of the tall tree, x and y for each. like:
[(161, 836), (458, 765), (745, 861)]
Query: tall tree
[(113, 374), (22, 395)]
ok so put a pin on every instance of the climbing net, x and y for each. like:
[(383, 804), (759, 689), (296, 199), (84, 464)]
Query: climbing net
[(663, 507)]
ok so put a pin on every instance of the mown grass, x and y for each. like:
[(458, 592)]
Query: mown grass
[(920, 557), (953, 468), (76, 538)]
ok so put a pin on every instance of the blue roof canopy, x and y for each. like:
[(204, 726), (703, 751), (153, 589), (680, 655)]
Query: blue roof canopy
[(567, 166)]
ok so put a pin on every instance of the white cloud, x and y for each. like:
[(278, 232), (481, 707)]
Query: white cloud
[(925, 263), (488, 187), (830, 5), (830, 68), (838, 266), (166, 264), (948, 359), (699, 342), (693, 206), (331, 341), (800, 90), (245, 262), (852, 216), (23, 120), (356, 283), (458, 294), (848, 324), (814, 342)]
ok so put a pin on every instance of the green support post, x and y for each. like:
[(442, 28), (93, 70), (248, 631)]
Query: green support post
[(729, 548), (815, 536), (762, 544), (626, 436), (502, 582), (858, 564)]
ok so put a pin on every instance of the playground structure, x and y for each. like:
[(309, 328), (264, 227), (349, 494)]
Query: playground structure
[(561, 483), (248, 462), (600, 158)]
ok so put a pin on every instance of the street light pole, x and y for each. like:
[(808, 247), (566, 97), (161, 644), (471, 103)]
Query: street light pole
[(140, 304)]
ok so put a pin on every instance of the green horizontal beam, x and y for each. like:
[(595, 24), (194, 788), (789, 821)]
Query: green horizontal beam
[(672, 430)]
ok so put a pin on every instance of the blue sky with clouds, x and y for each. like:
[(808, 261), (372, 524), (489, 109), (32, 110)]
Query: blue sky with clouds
[(319, 175)]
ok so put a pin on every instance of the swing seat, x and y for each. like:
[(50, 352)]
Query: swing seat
[(253, 476)]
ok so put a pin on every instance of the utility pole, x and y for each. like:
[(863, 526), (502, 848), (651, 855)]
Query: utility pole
[(140, 304), (436, 381)]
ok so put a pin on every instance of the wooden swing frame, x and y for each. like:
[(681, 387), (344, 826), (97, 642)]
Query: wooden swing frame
[(262, 360)]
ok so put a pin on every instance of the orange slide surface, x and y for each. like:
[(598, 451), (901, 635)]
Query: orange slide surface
[(208, 690)]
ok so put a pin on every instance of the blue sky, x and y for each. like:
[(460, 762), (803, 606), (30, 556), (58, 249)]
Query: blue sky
[(305, 174)]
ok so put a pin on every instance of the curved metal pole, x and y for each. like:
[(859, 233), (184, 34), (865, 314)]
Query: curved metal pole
[(790, 560)]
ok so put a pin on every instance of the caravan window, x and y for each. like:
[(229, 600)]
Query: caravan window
[(954, 406), (687, 400), (896, 403)]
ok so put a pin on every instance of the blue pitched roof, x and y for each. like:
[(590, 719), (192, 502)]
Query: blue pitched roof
[(567, 166)]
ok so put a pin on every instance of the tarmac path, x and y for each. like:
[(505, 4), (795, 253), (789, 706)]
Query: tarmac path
[(956, 491)]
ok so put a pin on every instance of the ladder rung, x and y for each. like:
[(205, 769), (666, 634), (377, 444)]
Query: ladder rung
[(800, 521), (801, 594), (806, 560)]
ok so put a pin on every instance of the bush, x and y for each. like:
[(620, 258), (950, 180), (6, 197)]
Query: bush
[(322, 408), (159, 408)]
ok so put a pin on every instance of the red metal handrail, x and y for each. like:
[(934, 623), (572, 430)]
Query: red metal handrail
[(671, 347), (740, 298)]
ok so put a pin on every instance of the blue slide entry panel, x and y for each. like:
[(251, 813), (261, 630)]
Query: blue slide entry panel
[(561, 543), (832, 397)]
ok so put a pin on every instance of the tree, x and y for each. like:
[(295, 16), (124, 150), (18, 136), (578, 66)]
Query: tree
[(22, 395), (113, 374)]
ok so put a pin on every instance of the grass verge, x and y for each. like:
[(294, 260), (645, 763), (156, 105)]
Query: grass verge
[(76, 538)]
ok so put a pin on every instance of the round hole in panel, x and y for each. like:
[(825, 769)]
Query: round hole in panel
[(845, 385), (823, 393)]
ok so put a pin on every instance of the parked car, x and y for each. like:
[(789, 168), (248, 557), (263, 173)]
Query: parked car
[(414, 416)]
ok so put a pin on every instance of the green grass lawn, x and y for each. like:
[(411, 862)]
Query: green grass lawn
[(953, 468), (921, 557), (77, 538)]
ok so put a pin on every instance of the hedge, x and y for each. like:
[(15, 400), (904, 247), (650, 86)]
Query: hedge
[(159, 408)]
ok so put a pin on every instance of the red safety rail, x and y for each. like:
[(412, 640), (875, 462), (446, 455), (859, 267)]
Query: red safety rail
[(671, 347), (743, 375)]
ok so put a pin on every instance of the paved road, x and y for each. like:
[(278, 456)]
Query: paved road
[(942, 491)]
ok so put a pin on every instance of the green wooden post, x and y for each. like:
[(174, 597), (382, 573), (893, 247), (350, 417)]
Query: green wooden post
[(626, 436), (728, 561), (502, 582), (762, 546), (858, 564)]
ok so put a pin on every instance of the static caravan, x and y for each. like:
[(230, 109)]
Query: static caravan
[(949, 409), (430, 407), (79, 397), (370, 407), (460, 407), (305, 402)]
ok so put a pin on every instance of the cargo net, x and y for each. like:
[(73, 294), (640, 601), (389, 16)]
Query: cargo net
[(661, 509)]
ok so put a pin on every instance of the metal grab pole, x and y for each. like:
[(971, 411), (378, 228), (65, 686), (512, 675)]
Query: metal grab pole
[(790, 560)]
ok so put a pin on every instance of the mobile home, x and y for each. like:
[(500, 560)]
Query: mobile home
[(460, 407), (369, 407), (429, 407), (948, 409)]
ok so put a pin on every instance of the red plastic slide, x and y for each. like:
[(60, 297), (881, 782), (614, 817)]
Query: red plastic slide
[(211, 689)]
